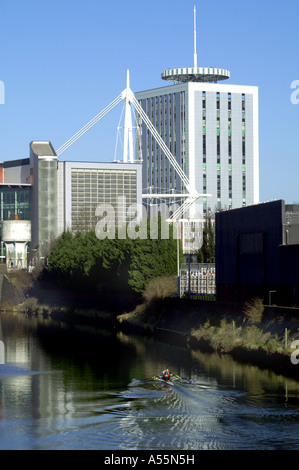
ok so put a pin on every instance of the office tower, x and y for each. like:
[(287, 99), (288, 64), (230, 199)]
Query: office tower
[(211, 129)]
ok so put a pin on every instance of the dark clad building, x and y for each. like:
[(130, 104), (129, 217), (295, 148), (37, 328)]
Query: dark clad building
[(257, 253)]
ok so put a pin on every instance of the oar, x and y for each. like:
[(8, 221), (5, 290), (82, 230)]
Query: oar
[(183, 378)]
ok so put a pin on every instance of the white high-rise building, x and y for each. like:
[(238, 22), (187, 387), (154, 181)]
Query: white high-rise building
[(211, 129)]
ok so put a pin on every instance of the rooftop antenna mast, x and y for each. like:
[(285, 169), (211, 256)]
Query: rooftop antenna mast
[(195, 54), (195, 73)]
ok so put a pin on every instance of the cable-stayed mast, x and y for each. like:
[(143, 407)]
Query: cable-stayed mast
[(191, 196), (128, 131), (195, 53), (195, 73)]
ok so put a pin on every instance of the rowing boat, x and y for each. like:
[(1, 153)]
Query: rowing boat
[(167, 382)]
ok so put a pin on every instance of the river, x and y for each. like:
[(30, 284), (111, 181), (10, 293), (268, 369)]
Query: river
[(74, 387)]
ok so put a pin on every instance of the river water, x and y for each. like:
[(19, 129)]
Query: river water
[(74, 387)]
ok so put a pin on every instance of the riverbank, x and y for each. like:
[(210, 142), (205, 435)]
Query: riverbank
[(216, 327), (262, 337)]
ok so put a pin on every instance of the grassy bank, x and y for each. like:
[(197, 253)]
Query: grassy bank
[(248, 332), (220, 328), (253, 330)]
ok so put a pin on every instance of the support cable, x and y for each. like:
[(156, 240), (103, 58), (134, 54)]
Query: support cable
[(163, 146), (89, 125)]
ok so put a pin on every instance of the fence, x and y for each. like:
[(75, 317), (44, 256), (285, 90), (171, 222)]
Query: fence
[(202, 279)]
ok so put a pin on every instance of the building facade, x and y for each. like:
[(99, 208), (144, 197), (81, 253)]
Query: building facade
[(84, 187), (257, 254), (43, 178), (213, 132), (15, 206), (40, 197)]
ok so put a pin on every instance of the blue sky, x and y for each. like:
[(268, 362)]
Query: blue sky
[(62, 62)]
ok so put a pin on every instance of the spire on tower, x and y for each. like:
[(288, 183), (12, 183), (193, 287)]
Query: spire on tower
[(195, 73), (195, 53)]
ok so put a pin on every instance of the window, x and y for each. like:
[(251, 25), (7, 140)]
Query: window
[(106, 187), (204, 183), (218, 186), (243, 102), (230, 186)]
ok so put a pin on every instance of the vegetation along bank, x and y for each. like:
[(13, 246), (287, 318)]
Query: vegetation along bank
[(131, 284), (251, 333)]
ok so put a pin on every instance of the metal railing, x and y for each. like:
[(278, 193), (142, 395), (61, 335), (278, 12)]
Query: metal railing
[(197, 279)]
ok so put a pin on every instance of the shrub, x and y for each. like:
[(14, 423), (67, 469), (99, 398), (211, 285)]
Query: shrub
[(30, 305), (254, 310), (160, 288)]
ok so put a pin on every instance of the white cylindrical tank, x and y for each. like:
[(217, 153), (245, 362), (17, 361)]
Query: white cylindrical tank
[(16, 230)]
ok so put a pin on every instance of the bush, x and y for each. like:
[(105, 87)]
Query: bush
[(254, 310), (160, 288), (222, 338), (30, 305)]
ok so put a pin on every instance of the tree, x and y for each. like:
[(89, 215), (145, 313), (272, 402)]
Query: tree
[(153, 257), (82, 261), (206, 254)]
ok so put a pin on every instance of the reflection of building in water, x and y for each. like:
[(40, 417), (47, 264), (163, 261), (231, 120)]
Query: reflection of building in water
[(34, 395), (2, 352)]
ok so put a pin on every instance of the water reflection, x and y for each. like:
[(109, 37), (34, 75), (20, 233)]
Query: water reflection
[(66, 387)]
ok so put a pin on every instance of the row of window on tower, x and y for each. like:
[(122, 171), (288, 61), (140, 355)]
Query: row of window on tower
[(218, 101), (218, 148)]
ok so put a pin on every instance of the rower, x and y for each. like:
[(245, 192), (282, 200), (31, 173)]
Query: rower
[(166, 374)]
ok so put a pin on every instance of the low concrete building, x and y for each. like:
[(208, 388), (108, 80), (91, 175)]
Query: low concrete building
[(51, 196)]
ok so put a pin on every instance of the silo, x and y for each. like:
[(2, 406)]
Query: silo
[(16, 234)]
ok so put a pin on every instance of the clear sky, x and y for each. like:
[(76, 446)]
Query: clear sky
[(62, 62)]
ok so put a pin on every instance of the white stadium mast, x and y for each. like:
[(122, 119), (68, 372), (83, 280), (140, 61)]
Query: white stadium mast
[(128, 155), (191, 196), (128, 132)]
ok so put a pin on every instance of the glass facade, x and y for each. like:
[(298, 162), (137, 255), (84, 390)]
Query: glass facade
[(15, 202), (167, 112), (92, 187), (47, 203)]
